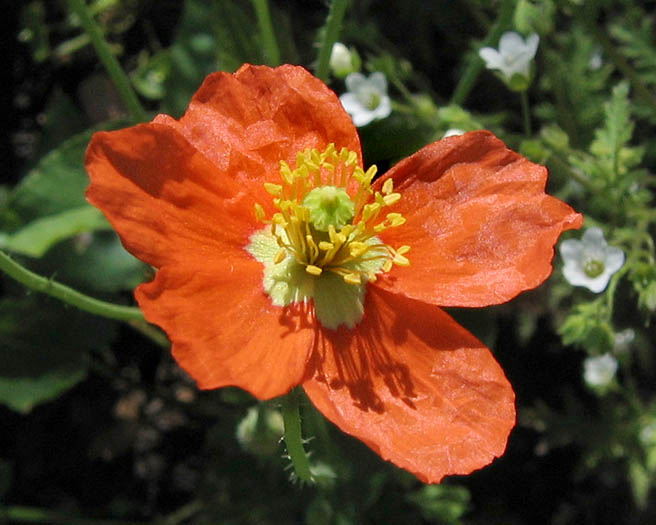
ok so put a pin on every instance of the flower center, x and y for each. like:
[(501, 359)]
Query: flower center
[(370, 98), (593, 268), (322, 241)]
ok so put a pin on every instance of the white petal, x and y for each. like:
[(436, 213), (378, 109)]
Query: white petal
[(594, 236), (614, 259), (511, 44), (571, 250), (354, 81), (351, 103), (492, 57), (384, 108), (378, 81), (597, 284), (532, 44)]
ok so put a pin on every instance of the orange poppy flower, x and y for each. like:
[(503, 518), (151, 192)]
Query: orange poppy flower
[(280, 261)]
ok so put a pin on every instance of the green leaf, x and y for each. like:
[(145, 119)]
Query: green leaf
[(44, 350), (618, 127), (39, 235), (96, 262), (58, 181)]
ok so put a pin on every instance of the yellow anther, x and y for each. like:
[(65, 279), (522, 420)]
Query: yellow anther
[(395, 219), (402, 250), (279, 220), (400, 260), (280, 256), (325, 246), (380, 227), (392, 198), (259, 212), (356, 249), (370, 174), (273, 189), (387, 265), (370, 210), (313, 270), (352, 278), (388, 187)]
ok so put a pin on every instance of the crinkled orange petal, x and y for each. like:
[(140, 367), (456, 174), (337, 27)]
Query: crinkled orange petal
[(415, 386), (167, 202), (263, 115), (176, 210), (480, 226), (224, 329)]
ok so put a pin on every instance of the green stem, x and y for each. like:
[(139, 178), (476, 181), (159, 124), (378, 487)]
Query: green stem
[(17, 514), (612, 287), (151, 332), (66, 294), (475, 65), (114, 69), (526, 112), (331, 33), (263, 14), (293, 438)]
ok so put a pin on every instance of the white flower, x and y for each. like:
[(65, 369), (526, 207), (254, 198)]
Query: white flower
[(341, 60), (590, 262), (514, 55), (596, 60), (366, 98), (623, 340), (451, 132), (599, 371)]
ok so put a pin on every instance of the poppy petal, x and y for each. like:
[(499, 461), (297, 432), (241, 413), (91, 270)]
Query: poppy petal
[(164, 198), (480, 226), (265, 115), (222, 324), (415, 386)]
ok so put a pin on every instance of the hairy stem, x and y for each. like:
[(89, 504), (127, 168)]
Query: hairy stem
[(293, 438), (68, 295)]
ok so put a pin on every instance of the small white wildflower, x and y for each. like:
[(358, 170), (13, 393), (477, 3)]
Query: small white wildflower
[(596, 60), (342, 60), (648, 434), (514, 55), (451, 132), (590, 262), (623, 340), (599, 371), (367, 98)]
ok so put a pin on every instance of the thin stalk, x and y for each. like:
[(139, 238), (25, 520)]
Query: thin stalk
[(526, 112), (263, 14), (475, 65), (114, 69), (68, 295), (293, 438), (331, 33)]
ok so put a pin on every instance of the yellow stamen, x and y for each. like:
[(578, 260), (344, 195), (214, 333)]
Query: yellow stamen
[(313, 270), (335, 227)]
